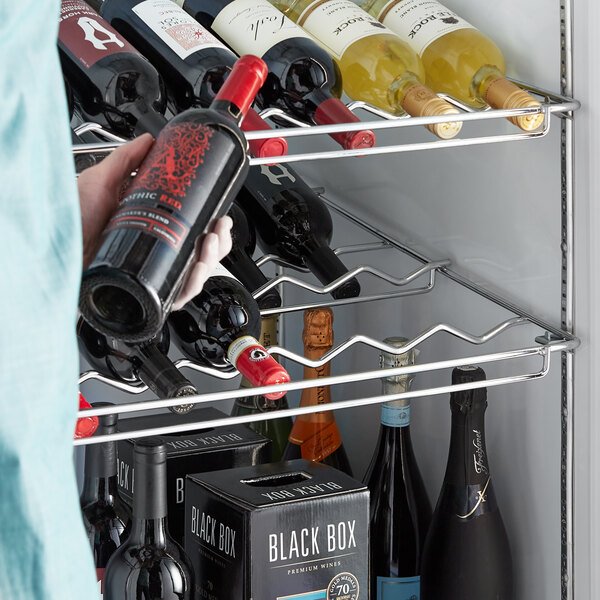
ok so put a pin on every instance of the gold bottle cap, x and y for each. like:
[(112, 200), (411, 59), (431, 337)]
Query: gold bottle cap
[(420, 101), (318, 328), (502, 93)]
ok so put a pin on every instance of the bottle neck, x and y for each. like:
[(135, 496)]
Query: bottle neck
[(100, 473), (316, 395), (99, 489), (150, 493), (147, 120), (396, 414), (148, 532)]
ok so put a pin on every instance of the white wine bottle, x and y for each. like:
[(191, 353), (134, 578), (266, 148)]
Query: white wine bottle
[(377, 66), (459, 60)]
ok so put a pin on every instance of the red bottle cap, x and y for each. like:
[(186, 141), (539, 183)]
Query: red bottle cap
[(334, 111), (257, 365), (85, 426), (246, 78), (268, 147)]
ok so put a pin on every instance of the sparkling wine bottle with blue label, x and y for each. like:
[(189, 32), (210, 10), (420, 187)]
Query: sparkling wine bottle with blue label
[(400, 508)]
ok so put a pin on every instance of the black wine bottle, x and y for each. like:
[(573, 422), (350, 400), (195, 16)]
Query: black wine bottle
[(113, 83), (106, 516), (239, 260), (131, 363), (189, 177), (192, 62), (292, 222), (150, 564), (303, 79), (467, 554), (219, 328), (399, 506), (277, 430), (316, 436)]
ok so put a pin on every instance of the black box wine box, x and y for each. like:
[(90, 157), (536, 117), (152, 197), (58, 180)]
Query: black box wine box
[(290, 530), (190, 452)]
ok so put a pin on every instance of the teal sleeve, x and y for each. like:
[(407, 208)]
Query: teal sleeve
[(44, 554)]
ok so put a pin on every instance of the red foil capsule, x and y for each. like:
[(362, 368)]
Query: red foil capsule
[(257, 365), (85, 426)]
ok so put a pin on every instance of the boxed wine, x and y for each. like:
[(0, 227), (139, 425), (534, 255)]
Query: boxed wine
[(295, 529), (190, 452)]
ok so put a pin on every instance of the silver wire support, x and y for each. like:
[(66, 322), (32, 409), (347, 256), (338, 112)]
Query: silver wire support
[(473, 135)]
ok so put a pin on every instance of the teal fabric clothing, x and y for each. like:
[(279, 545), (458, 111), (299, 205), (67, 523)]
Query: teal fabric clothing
[(44, 554)]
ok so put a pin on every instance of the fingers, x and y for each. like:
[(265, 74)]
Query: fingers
[(196, 279), (222, 229)]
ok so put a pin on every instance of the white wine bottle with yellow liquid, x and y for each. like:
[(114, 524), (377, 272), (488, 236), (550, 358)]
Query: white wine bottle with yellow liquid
[(459, 60), (377, 66)]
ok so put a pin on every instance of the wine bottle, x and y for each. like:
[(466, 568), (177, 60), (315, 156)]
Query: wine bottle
[(106, 516), (149, 564), (219, 327), (277, 430), (400, 511), (292, 222), (192, 62), (303, 80), (189, 177), (459, 60), (85, 426), (377, 66), (131, 363), (316, 436), (114, 84), (466, 554), (239, 261)]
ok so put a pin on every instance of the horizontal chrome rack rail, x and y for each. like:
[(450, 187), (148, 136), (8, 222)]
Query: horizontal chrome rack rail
[(550, 104)]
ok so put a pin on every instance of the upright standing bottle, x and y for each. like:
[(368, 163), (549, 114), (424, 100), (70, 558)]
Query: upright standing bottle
[(316, 436), (399, 506), (106, 516), (459, 60), (190, 176), (150, 565), (467, 555), (376, 65), (277, 430)]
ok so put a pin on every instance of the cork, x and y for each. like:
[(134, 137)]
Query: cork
[(318, 329), (420, 101), (502, 93)]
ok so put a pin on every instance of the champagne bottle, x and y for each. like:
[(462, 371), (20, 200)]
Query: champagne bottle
[(239, 261), (219, 327), (316, 436), (106, 516), (277, 430), (189, 177), (294, 223), (131, 363), (466, 554), (376, 65), (459, 60), (303, 80), (114, 84), (400, 508), (150, 564), (192, 62)]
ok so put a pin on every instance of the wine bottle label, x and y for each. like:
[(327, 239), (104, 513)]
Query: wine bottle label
[(398, 588), (220, 271), (181, 32), (89, 37), (420, 22), (395, 416), (337, 24), (254, 26), (468, 501), (317, 439), (249, 345)]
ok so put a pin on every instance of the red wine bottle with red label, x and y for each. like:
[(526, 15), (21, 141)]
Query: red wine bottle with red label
[(131, 363), (303, 79), (219, 328), (192, 62), (149, 565), (292, 222), (239, 261), (114, 84), (106, 516), (466, 554), (190, 177)]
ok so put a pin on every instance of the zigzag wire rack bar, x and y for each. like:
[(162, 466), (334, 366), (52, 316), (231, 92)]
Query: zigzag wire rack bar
[(551, 104)]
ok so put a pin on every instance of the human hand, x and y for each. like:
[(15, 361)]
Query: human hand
[(99, 188)]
